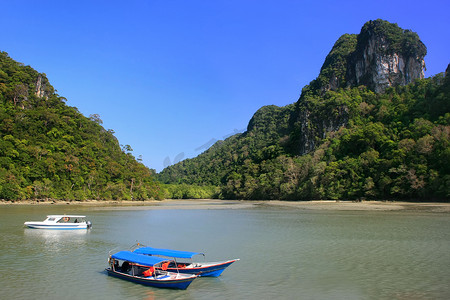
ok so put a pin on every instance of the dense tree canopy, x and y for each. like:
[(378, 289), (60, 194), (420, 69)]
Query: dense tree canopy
[(396, 146), (337, 141), (342, 140), (50, 150)]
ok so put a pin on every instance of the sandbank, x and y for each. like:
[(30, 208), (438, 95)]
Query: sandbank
[(240, 204), (363, 205)]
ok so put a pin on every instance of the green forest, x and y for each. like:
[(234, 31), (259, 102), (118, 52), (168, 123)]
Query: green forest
[(49, 150), (388, 146), (340, 140), (396, 146)]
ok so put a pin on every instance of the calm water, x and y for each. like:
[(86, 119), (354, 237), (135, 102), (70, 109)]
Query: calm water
[(285, 253)]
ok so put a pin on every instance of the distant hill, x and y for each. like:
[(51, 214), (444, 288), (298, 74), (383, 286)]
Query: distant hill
[(50, 150), (369, 127)]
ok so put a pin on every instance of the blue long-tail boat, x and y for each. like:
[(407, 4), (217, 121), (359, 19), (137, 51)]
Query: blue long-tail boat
[(148, 270), (179, 264)]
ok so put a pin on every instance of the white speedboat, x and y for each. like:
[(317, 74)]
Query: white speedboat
[(66, 222)]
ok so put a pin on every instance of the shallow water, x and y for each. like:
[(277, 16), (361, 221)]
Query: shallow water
[(285, 253)]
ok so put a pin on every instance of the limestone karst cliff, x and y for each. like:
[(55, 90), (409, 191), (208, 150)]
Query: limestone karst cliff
[(383, 55), (43, 88), (368, 127), (386, 56)]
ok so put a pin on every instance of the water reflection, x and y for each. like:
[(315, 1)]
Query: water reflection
[(284, 254), (54, 234), (55, 240)]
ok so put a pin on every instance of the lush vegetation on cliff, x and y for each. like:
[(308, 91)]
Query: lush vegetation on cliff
[(50, 150), (398, 39), (340, 141), (337, 141), (266, 133), (396, 145)]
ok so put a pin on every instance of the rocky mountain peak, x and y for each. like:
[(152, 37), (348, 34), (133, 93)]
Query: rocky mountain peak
[(382, 55), (386, 56)]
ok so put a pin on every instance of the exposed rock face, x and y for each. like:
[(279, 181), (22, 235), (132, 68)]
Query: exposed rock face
[(383, 55), (39, 88), (312, 128), (43, 88), (386, 56)]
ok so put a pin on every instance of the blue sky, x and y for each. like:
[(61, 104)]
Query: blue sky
[(172, 77)]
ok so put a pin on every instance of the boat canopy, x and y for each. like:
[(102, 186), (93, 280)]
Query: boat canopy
[(138, 258), (166, 252)]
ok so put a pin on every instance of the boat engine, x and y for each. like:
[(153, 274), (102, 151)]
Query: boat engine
[(89, 224)]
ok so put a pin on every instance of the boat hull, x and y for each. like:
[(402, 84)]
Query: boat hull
[(181, 284), (56, 227), (60, 222), (203, 271)]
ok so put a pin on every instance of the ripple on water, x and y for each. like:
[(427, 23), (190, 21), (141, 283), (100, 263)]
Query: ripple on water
[(284, 253)]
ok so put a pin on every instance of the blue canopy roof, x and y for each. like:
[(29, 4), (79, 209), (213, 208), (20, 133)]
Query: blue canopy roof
[(138, 258), (166, 252)]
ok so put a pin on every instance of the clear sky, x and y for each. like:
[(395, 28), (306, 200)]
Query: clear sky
[(170, 77)]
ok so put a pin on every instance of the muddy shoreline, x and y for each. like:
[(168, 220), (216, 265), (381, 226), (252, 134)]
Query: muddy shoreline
[(238, 204)]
